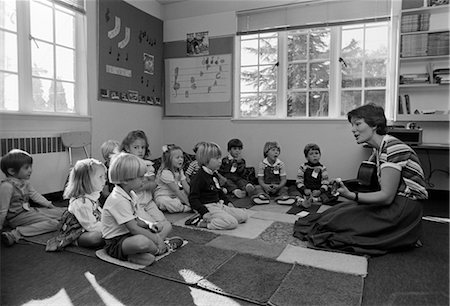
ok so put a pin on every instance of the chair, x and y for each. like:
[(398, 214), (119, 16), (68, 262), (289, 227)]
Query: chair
[(76, 140)]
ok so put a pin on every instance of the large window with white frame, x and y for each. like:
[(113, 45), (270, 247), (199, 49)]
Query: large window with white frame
[(320, 72), (42, 57)]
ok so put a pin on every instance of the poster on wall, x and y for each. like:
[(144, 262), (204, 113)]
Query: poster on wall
[(200, 79), (197, 44), (130, 54)]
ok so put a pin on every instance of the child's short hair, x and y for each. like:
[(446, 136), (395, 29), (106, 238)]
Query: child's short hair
[(109, 148), (15, 159), (125, 166), (80, 183), (270, 145), (234, 143), (131, 137), (309, 147), (196, 146), (166, 161), (206, 151)]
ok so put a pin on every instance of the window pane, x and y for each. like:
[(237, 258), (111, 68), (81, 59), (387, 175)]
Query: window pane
[(249, 52), (64, 100), (375, 96), (319, 75), (376, 73), (350, 99), (267, 78), (249, 79), (249, 105), (297, 76), (41, 93), (297, 46), (352, 43), (8, 11), (376, 42), (268, 51), (351, 73), (42, 59), (267, 104), (318, 104), (65, 61), (41, 21), (9, 91), (296, 104), (64, 29), (8, 51), (319, 45)]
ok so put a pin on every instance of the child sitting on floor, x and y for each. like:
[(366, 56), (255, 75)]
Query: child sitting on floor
[(136, 143), (233, 169), (108, 148), (15, 208), (207, 197), (172, 191), (272, 177), (312, 177), (128, 237)]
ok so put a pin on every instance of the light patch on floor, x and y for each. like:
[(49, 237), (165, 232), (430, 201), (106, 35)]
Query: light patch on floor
[(333, 261), (272, 207), (250, 229), (274, 216)]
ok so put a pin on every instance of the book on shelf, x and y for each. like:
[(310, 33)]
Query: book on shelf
[(415, 78), (438, 43), (400, 105), (441, 76), (436, 2), (414, 45), (415, 22), (407, 105)]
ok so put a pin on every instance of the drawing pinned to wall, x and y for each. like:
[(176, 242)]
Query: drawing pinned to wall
[(203, 79), (197, 44), (149, 63)]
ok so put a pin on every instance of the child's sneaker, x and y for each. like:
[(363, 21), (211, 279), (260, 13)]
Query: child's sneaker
[(261, 199), (285, 200), (239, 193), (8, 238), (173, 243), (202, 224), (194, 220), (249, 188)]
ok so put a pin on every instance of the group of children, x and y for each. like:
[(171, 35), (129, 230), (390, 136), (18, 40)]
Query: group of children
[(119, 204)]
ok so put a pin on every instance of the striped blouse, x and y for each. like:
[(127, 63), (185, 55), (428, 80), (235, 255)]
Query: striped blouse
[(396, 154)]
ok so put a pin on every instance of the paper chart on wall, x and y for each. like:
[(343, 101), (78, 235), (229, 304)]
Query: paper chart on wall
[(199, 79)]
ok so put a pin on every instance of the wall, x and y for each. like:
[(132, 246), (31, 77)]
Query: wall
[(340, 153)]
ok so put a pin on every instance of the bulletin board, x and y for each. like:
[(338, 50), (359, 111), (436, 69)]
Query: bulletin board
[(199, 86), (130, 46)]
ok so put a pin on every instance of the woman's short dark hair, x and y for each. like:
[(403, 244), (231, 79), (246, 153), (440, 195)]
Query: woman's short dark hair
[(15, 159), (372, 114)]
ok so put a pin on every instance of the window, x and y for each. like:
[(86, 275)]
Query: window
[(42, 62), (320, 72)]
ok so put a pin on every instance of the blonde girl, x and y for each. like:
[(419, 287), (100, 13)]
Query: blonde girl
[(87, 178), (136, 143), (207, 197), (126, 236), (172, 191)]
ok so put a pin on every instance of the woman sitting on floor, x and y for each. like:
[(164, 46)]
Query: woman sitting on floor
[(380, 221)]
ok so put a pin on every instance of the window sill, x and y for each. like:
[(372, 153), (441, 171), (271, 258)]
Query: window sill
[(312, 120), (43, 116)]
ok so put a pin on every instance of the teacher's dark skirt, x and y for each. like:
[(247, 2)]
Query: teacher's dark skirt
[(364, 228)]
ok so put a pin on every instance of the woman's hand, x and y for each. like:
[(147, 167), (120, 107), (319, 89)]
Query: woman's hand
[(343, 190)]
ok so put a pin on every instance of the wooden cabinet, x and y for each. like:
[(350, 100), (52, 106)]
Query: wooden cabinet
[(423, 89)]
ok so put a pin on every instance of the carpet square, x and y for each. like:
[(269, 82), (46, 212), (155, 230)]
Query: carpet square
[(248, 246), (274, 216), (310, 286), (272, 207), (190, 264), (280, 232), (333, 261), (258, 278), (193, 235), (250, 229)]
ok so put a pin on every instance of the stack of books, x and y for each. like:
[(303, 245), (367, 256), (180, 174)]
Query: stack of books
[(415, 78), (441, 76), (438, 43), (416, 22), (414, 45)]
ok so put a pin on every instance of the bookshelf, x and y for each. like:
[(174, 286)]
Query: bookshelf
[(423, 88)]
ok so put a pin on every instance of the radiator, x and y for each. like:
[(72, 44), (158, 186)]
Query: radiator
[(33, 145)]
